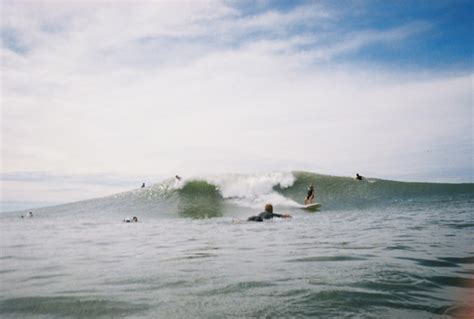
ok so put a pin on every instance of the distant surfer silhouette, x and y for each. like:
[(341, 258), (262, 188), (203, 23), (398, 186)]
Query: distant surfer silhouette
[(30, 214), (143, 185), (134, 219), (359, 177), (178, 177), (310, 197), (267, 214)]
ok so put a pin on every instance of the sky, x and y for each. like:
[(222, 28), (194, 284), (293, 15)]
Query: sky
[(98, 96)]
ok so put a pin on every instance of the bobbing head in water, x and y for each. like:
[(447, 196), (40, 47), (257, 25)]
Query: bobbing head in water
[(269, 208)]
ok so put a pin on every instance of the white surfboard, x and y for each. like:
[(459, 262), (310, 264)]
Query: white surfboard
[(311, 207)]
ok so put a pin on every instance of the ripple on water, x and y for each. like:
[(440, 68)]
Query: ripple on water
[(240, 287), (466, 272), (46, 276), (194, 256), (394, 280), (6, 271), (459, 260), (430, 262), (452, 281), (152, 283), (6, 257), (327, 258), (335, 303), (399, 247), (62, 306), (460, 226)]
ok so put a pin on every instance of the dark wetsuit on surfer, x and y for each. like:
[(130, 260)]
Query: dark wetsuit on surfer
[(359, 177), (267, 214), (309, 198)]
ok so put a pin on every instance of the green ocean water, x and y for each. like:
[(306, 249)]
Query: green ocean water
[(375, 249)]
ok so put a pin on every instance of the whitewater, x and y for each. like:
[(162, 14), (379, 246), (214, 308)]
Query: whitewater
[(375, 249)]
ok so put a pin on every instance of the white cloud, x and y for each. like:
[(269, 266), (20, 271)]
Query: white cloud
[(276, 20), (354, 41)]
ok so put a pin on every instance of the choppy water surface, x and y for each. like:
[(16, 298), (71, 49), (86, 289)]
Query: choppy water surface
[(407, 259)]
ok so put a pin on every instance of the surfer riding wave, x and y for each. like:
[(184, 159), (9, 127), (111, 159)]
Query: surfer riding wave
[(310, 197)]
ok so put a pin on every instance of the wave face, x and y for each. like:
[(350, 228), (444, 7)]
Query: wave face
[(345, 192), (235, 194)]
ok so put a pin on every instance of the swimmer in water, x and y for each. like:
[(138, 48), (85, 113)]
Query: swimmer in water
[(267, 214), (30, 214), (310, 197), (131, 220)]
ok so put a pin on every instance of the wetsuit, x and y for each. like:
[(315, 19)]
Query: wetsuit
[(310, 192), (264, 215)]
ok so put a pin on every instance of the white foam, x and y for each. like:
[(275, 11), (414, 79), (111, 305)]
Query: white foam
[(249, 190), (253, 190)]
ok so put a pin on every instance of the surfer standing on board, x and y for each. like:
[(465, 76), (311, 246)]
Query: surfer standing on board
[(310, 197)]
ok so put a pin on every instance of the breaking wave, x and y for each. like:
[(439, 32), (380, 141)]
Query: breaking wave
[(220, 195)]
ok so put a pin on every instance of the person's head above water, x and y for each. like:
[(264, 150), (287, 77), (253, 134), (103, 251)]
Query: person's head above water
[(269, 208)]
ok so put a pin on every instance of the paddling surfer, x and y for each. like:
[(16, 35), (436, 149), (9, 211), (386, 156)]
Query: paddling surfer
[(310, 197), (267, 214), (359, 177)]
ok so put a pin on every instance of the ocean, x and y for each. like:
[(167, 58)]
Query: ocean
[(375, 249)]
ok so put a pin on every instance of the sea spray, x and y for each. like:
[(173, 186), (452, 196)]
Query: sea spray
[(254, 190)]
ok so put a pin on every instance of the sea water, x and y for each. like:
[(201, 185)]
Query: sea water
[(376, 249)]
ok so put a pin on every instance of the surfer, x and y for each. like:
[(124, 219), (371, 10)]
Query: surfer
[(131, 220), (178, 177), (359, 177), (310, 197), (267, 214), (143, 185), (30, 214)]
